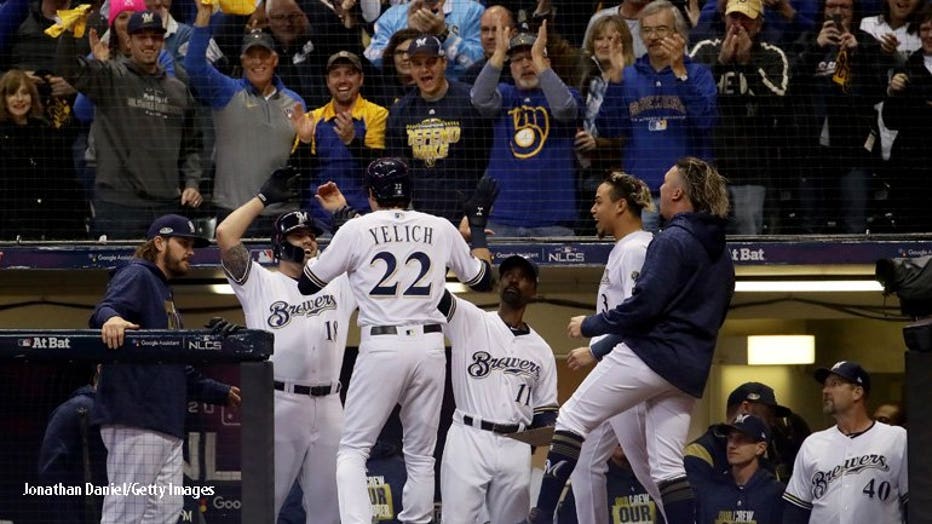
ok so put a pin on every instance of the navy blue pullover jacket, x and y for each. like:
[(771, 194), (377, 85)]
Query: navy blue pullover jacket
[(146, 396), (679, 302), (759, 501)]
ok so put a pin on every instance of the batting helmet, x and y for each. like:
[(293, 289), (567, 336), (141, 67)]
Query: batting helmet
[(287, 223), (388, 179)]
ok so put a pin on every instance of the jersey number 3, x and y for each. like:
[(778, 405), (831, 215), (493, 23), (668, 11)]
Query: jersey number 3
[(388, 285)]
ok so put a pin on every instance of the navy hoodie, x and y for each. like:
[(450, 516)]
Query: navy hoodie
[(757, 502), (146, 396), (679, 302)]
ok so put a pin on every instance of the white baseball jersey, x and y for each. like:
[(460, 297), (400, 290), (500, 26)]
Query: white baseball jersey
[(310, 331), (851, 480), (500, 377), (497, 375), (628, 428), (394, 254), (622, 270)]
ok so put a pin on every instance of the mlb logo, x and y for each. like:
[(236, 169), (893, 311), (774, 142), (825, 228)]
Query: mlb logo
[(24, 342)]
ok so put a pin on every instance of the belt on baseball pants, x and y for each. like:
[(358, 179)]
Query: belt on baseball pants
[(393, 330), (314, 391), (477, 422)]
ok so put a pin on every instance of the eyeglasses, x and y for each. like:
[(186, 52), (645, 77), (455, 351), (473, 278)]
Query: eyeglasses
[(661, 31)]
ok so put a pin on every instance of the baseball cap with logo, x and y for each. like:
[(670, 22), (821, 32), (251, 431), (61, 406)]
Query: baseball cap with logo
[(344, 57), (257, 37), (848, 370), (519, 261), (751, 426), (145, 21), (521, 40), (428, 45), (750, 8), (757, 392), (175, 226)]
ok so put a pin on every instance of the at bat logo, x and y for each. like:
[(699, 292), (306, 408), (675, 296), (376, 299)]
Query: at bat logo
[(45, 343)]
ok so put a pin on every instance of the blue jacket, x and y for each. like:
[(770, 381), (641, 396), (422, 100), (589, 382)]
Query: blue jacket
[(759, 501), (146, 396), (679, 302), (661, 118), (462, 47), (61, 457)]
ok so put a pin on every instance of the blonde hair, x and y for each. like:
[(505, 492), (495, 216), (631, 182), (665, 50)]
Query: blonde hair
[(599, 26), (706, 188), (632, 189), (147, 251)]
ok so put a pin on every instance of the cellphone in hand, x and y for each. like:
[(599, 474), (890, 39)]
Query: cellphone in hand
[(838, 21)]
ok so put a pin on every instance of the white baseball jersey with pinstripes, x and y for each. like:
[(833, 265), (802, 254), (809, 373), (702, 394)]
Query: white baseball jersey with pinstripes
[(397, 263), (846, 480)]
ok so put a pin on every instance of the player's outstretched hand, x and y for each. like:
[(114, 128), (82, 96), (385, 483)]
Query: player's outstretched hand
[(280, 186), (234, 397), (478, 206), (580, 358), (330, 197), (223, 327), (114, 330), (574, 329)]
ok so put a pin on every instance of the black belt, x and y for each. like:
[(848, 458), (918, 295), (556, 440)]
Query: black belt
[(491, 426), (314, 391), (393, 330)]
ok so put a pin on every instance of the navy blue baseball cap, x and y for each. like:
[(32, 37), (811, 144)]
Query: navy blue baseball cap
[(751, 426), (175, 226), (757, 392), (848, 370), (257, 37), (519, 261), (145, 21), (428, 45), (521, 40)]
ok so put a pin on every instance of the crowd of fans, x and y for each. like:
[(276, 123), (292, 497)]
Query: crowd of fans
[(814, 110)]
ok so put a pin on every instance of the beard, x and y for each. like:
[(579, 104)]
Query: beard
[(512, 297)]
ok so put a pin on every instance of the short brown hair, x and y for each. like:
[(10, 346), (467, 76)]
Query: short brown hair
[(10, 83)]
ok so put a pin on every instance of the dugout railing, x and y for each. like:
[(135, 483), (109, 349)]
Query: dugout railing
[(33, 362)]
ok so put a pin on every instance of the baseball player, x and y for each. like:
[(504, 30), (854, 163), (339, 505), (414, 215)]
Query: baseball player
[(310, 337), (749, 493), (504, 380), (854, 471), (617, 212), (140, 408), (396, 260), (669, 326)]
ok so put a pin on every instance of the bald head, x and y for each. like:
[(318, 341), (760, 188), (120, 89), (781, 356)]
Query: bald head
[(493, 18)]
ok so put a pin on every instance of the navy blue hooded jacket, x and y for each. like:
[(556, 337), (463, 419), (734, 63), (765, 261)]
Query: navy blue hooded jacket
[(678, 304), (146, 396), (759, 501)]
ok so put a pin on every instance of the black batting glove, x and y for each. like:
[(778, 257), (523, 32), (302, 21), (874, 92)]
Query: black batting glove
[(342, 216), (280, 186), (478, 206), (223, 327)]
